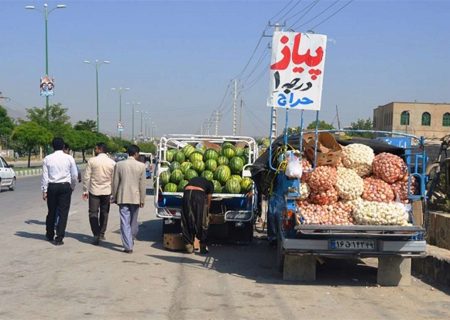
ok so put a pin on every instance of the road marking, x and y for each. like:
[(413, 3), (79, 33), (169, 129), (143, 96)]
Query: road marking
[(72, 212)]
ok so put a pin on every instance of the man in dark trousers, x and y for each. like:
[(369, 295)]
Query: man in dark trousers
[(194, 216), (97, 188), (59, 177)]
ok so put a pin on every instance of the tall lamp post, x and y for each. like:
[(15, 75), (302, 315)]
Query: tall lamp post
[(97, 64), (46, 11), (119, 125), (142, 119), (132, 117)]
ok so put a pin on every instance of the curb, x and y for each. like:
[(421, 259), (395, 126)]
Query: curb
[(435, 266), (28, 172)]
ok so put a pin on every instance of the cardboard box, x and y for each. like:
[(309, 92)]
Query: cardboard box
[(329, 152), (174, 241)]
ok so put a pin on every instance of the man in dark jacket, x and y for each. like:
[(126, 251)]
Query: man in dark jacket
[(194, 216)]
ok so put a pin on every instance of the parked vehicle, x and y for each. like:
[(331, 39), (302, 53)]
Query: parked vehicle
[(301, 240), (7, 175), (232, 215), (120, 156)]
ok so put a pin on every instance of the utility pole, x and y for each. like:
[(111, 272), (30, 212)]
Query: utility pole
[(240, 117), (277, 27), (337, 116), (235, 94), (217, 118)]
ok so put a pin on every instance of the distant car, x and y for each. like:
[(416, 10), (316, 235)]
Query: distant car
[(7, 175), (120, 156), (148, 160)]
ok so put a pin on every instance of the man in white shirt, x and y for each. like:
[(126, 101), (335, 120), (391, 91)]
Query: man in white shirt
[(59, 177), (97, 188)]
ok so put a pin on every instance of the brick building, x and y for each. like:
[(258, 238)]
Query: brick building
[(431, 120)]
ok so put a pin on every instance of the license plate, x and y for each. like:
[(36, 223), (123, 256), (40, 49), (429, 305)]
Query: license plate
[(366, 245)]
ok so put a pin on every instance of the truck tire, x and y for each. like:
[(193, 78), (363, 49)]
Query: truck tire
[(280, 255)]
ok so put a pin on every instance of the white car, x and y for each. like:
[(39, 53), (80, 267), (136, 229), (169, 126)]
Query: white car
[(7, 175)]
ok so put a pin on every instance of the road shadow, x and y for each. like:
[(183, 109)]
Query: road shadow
[(32, 221), (257, 261), (77, 236), (150, 230)]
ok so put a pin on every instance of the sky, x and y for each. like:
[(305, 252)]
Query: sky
[(179, 57)]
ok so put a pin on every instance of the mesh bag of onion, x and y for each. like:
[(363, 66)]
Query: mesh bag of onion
[(389, 167)]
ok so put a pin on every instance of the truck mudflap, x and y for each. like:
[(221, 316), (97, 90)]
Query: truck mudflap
[(360, 247)]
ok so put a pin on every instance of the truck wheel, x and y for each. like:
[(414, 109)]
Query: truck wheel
[(280, 256)]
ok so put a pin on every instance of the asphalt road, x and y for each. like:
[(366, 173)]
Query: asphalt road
[(82, 281)]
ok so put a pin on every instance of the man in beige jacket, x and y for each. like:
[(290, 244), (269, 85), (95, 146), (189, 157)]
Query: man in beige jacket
[(128, 191), (97, 188)]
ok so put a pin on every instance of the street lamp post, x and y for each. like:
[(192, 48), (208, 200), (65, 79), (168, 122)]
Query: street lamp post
[(120, 90), (132, 117), (97, 63), (46, 13)]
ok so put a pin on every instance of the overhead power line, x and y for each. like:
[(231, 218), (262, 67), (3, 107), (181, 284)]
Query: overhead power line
[(289, 10), (332, 15), (282, 9), (318, 15), (305, 11)]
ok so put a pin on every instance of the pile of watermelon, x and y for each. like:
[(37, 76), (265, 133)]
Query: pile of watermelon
[(223, 167)]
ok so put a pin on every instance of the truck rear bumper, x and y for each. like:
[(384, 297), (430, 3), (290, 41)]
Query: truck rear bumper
[(321, 247)]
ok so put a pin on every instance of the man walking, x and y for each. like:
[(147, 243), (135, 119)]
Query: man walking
[(194, 216), (128, 191), (59, 177), (97, 188)]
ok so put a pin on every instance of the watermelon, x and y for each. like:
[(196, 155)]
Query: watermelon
[(183, 183), (217, 186), (222, 174), (179, 157), (237, 177), (211, 165), (239, 151), (176, 176), (170, 154), (228, 152), (208, 175), (174, 165), (222, 160), (170, 187), (185, 166), (188, 150), (236, 164), (233, 186), (190, 173), (164, 177), (210, 154), (246, 184), (227, 145), (198, 166), (195, 156)]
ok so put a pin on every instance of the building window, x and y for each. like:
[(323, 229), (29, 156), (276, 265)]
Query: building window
[(446, 120), (404, 118), (426, 119)]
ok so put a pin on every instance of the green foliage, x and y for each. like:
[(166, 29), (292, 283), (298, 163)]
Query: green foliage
[(6, 123), (362, 124), (30, 134), (58, 120), (87, 125), (322, 125), (147, 147)]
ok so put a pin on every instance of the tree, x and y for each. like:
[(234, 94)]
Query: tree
[(58, 120), (6, 125), (30, 135), (362, 124), (322, 125), (147, 147), (88, 125)]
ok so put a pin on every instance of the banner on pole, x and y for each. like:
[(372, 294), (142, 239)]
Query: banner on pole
[(119, 126), (46, 86), (296, 70)]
